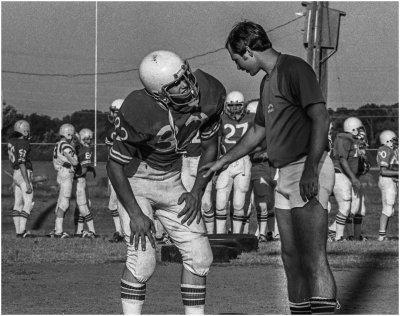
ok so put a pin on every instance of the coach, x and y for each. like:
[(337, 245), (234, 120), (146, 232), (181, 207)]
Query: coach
[(293, 119)]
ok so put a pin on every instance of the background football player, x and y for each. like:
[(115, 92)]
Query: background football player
[(190, 162), (388, 161), (153, 128), (19, 155), (84, 152), (350, 163), (262, 189), (235, 122), (113, 201), (64, 162)]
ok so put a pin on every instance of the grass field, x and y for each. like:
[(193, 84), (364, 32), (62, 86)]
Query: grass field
[(81, 276)]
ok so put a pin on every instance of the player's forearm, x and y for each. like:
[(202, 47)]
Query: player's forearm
[(209, 154), (73, 161), (385, 172), (319, 135), (122, 188), (24, 173), (346, 169), (253, 137)]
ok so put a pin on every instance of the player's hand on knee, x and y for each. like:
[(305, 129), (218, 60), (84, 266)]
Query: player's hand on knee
[(356, 183), (142, 226), (192, 208), (308, 184)]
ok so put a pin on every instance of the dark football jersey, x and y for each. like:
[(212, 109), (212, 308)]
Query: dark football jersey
[(19, 151), (146, 130), (85, 156), (232, 131), (110, 132), (193, 149), (345, 146)]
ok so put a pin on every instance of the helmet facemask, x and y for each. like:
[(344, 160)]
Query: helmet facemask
[(184, 102), (235, 110)]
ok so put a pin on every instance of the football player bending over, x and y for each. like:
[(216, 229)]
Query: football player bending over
[(153, 128), (388, 161)]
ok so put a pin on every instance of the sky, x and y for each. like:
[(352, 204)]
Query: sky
[(58, 41)]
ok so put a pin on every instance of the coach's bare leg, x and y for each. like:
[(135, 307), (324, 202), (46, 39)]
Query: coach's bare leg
[(296, 281), (311, 224)]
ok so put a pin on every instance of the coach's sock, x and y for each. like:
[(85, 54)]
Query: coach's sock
[(323, 306), (340, 224), (16, 218), (300, 308), (22, 221), (132, 297), (194, 298)]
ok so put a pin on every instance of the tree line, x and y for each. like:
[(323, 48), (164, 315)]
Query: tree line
[(44, 129)]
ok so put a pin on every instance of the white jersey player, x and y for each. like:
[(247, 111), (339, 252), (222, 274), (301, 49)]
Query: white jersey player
[(65, 161)]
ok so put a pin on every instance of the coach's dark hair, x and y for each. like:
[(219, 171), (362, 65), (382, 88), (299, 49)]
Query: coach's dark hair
[(249, 34)]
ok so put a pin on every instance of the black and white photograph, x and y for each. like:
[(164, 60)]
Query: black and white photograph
[(199, 157)]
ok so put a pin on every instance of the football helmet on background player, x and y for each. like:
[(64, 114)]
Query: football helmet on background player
[(169, 80), (388, 138), (68, 131), (23, 128), (234, 105), (252, 107), (86, 136), (353, 125), (114, 108)]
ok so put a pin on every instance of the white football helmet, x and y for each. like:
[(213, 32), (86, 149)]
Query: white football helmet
[(353, 125), (22, 127), (162, 70), (252, 107), (234, 105), (388, 138), (114, 108), (85, 137), (68, 131)]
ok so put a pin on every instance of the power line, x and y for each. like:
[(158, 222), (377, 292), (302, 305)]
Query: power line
[(127, 70)]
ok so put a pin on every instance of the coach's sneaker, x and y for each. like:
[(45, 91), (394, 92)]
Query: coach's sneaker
[(63, 235)]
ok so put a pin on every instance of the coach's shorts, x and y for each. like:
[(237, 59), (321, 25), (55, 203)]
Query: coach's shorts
[(287, 194)]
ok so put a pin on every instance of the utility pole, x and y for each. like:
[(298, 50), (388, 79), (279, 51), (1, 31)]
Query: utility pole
[(321, 33)]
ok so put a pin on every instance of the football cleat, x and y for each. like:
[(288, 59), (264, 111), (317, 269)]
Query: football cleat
[(262, 238), (63, 235), (383, 238), (88, 234), (26, 234), (51, 234)]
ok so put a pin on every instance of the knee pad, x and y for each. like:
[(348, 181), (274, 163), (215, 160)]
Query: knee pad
[(141, 263), (222, 212), (63, 203), (198, 257), (83, 210), (388, 210)]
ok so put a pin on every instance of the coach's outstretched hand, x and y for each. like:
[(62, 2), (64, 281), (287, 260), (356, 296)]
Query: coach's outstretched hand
[(211, 167), (141, 227), (192, 208)]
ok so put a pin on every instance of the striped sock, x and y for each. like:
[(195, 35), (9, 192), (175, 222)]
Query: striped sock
[(194, 298), (323, 306), (300, 308), (382, 233), (340, 224), (132, 297), (16, 217)]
